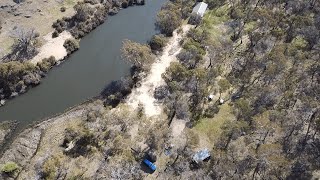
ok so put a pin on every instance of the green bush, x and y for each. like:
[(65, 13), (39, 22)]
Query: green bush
[(10, 167), (50, 167), (61, 24), (83, 12), (125, 4), (59, 29), (193, 46), (157, 42), (211, 110), (47, 63), (55, 34), (12, 73), (71, 45)]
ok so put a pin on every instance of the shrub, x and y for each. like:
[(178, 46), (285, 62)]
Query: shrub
[(50, 167), (55, 34), (94, 114), (92, 2), (157, 42), (56, 24), (12, 73), (83, 12), (124, 4), (84, 142), (200, 36), (66, 19), (182, 108), (130, 3), (20, 86), (47, 63), (211, 110), (51, 60), (60, 25), (9, 167), (71, 45), (117, 90), (63, 9), (141, 2), (161, 92), (191, 45), (59, 29), (224, 85)]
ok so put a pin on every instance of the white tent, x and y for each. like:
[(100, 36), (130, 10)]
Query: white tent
[(200, 9)]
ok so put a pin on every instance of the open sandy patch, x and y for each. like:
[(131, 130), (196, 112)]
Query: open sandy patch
[(52, 47)]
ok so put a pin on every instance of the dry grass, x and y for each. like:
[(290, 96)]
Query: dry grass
[(214, 22), (209, 129)]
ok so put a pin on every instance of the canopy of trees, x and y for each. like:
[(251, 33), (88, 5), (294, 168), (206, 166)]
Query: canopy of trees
[(267, 64), (14, 76), (137, 54)]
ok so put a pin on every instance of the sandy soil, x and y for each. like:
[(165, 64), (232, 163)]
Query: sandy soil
[(177, 126), (144, 94), (52, 47)]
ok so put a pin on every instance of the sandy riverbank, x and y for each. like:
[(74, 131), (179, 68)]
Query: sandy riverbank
[(52, 47)]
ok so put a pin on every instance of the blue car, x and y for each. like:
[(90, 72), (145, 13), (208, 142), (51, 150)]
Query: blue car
[(152, 166)]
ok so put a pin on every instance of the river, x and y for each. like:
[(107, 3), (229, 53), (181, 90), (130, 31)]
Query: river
[(86, 72)]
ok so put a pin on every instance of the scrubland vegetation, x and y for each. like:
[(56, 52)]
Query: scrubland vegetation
[(246, 84), (15, 76), (262, 59)]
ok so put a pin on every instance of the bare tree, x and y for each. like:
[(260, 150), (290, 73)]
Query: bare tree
[(24, 46)]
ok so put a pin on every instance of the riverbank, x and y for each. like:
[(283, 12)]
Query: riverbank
[(60, 140), (98, 63), (230, 112), (46, 141), (6, 128), (99, 142), (55, 45)]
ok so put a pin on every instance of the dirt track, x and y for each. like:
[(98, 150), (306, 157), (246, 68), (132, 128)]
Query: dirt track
[(144, 93)]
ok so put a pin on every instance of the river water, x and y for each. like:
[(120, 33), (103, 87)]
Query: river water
[(85, 73)]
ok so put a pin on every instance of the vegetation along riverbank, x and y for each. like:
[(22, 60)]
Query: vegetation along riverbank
[(30, 49), (231, 95)]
